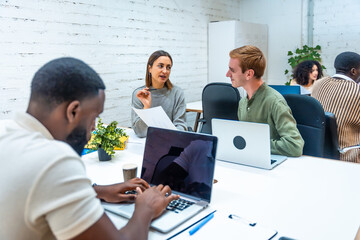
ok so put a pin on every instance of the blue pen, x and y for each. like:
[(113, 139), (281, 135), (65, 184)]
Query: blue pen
[(200, 224)]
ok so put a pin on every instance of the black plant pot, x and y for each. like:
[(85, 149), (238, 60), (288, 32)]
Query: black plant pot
[(103, 156)]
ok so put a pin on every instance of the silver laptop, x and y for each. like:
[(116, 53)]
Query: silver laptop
[(246, 143), (185, 161)]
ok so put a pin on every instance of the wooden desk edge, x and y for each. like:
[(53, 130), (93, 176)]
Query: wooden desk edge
[(193, 110)]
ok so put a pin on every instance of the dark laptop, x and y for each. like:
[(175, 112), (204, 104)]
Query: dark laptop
[(183, 160)]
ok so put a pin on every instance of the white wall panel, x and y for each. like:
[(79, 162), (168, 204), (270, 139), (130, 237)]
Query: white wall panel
[(284, 21)]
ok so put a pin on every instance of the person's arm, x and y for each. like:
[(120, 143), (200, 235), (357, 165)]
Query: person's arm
[(179, 113), (290, 142), (63, 200), (116, 192), (149, 205), (140, 128)]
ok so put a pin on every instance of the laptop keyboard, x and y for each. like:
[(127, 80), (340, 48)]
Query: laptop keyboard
[(175, 205), (179, 205)]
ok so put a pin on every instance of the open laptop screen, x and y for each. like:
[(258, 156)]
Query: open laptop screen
[(185, 161)]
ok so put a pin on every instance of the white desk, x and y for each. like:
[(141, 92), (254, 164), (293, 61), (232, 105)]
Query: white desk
[(303, 198)]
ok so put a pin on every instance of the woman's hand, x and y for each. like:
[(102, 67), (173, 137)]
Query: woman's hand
[(144, 96)]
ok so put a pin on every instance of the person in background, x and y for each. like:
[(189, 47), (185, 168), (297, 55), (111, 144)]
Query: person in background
[(159, 91), (263, 104), (305, 74), (44, 191), (340, 94)]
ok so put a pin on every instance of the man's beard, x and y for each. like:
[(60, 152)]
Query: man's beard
[(77, 139)]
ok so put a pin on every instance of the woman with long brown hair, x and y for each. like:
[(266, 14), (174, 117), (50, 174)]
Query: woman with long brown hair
[(159, 91)]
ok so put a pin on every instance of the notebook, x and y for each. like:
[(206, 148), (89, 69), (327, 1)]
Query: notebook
[(246, 143), (183, 160)]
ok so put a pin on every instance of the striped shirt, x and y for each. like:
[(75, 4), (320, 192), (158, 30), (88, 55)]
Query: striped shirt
[(342, 97)]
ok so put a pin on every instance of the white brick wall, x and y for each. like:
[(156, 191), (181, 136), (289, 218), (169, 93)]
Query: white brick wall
[(115, 37), (336, 28)]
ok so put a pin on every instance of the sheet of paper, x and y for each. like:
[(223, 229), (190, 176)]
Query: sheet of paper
[(155, 117)]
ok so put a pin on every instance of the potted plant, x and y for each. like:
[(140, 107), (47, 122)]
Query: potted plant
[(302, 54), (106, 138)]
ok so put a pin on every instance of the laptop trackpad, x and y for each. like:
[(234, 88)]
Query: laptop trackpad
[(169, 220), (123, 209)]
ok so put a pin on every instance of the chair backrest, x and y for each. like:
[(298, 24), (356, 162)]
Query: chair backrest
[(310, 120), (219, 100), (331, 145), (285, 89)]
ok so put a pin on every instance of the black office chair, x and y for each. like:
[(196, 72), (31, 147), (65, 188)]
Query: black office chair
[(219, 100), (310, 119), (332, 149), (286, 89), (331, 145)]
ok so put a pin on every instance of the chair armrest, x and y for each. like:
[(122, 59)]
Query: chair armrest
[(344, 150)]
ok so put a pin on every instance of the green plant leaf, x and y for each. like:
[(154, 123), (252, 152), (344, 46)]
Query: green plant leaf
[(107, 137)]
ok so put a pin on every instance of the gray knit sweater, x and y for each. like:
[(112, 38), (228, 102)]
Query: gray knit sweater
[(172, 101)]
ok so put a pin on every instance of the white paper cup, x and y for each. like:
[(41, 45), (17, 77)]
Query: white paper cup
[(129, 171)]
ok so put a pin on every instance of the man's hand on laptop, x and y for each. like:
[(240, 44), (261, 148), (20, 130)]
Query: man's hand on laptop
[(116, 192), (154, 200)]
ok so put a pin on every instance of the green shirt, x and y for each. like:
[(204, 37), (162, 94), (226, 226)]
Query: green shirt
[(269, 106)]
